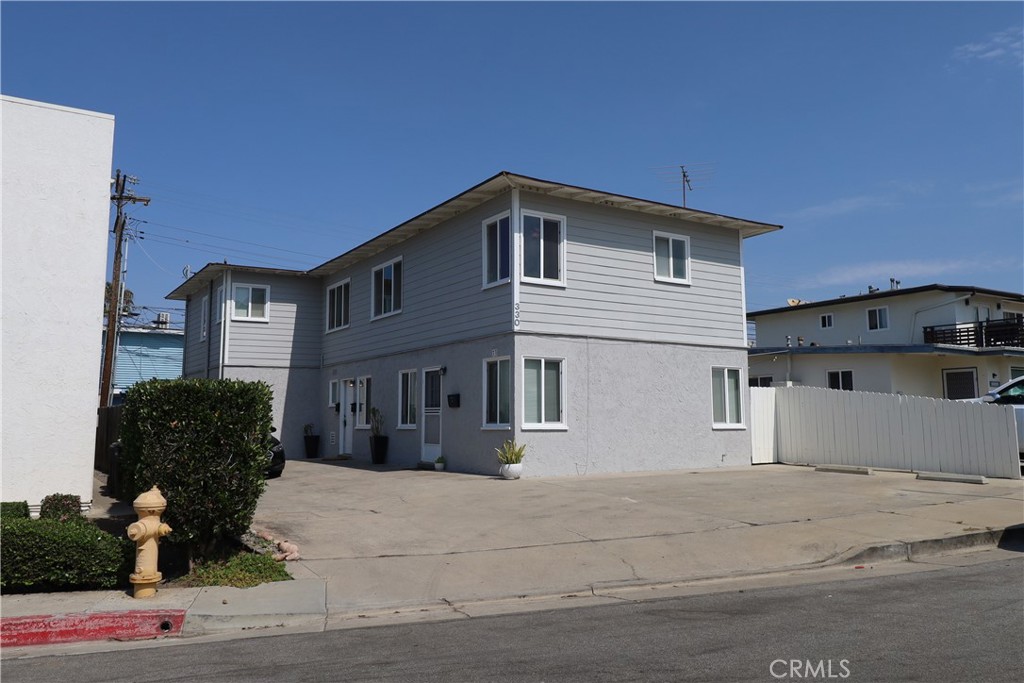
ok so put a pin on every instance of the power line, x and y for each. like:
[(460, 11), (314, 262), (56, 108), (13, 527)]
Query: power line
[(220, 252), (177, 241), (230, 239)]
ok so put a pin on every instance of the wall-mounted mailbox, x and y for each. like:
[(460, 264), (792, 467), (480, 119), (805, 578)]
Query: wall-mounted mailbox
[(352, 408), (454, 400), (337, 409)]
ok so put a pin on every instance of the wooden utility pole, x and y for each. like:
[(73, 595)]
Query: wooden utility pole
[(120, 197)]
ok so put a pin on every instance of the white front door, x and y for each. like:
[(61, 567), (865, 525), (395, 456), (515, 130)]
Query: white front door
[(431, 449), (346, 418)]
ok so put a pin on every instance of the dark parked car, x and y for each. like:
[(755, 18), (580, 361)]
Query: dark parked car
[(275, 457)]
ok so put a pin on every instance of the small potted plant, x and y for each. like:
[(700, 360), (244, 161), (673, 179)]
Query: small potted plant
[(378, 442), (439, 463), (312, 440), (510, 457)]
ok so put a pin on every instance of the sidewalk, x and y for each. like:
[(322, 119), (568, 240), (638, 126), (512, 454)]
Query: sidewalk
[(382, 544)]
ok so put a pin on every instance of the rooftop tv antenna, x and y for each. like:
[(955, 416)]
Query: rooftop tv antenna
[(686, 183), (694, 176)]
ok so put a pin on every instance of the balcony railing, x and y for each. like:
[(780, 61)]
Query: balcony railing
[(1008, 332)]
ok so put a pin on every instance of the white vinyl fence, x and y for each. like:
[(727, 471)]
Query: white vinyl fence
[(829, 427)]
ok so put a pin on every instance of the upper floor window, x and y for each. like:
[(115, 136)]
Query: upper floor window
[(878, 318), (387, 289), (251, 302), (726, 400), (826, 321), (497, 248), (204, 317), (543, 248), (337, 306), (671, 258)]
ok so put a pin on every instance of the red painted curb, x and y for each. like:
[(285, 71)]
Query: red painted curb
[(69, 628)]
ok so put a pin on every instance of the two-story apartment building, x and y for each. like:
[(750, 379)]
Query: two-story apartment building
[(935, 340), (605, 332)]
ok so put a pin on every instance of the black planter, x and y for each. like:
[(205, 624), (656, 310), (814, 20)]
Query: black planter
[(312, 445), (378, 449)]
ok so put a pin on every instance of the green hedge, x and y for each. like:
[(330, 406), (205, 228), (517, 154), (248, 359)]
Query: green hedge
[(41, 555), (204, 444), (14, 510)]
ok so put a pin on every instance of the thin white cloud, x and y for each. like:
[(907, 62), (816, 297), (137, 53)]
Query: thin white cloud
[(998, 193), (1002, 47), (877, 273), (839, 207)]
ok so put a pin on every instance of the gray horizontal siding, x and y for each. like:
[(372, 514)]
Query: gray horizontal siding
[(442, 298), (293, 335), (195, 347), (610, 287)]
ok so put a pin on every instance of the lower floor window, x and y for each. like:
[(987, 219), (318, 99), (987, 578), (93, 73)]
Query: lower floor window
[(363, 404), (840, 379), (542, 392), (407, 400), (497, 381), (762, 381), (725, 396)]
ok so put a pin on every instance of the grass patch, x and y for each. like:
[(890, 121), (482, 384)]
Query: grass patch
[(244, 569)]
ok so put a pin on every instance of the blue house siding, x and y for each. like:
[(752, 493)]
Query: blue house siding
[(147, 354)]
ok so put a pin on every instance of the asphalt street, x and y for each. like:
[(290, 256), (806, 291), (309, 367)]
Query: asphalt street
[(961, 623)]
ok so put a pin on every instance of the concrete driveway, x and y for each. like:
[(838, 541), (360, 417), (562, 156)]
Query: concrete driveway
[(384, 539)]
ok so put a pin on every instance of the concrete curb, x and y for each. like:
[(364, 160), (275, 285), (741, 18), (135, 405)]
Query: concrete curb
[(302, 602), (49, 629), (908, 550)]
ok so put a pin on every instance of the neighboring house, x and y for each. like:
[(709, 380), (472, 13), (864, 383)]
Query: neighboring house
[(605, 332), (55, 213), (937, 340), (145, 353)]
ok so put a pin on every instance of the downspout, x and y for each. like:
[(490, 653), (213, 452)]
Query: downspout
[(210, 317), (515, 227), (225, 319), (743, 298)]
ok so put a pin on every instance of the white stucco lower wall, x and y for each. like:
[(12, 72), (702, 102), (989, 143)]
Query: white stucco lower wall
[(633, 406), (295, 404), (55, 213)]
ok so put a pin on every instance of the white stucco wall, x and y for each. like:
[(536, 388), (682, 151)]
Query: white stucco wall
[(56, 166)]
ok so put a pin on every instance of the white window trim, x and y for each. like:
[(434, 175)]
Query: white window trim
[(373, 294), (831, 321), (726, 426), (867, 318), (250, 318), (562, 221), (654, 262), (496, 426), (204, 318), (415, 373), (365, 413), (333, 390), (840, 371), (561, 426), (483, 250), (327, 306)]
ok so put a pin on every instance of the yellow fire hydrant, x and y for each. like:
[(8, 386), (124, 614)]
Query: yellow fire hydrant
[(146, 532)]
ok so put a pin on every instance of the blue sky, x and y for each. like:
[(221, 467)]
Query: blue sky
[(888, 138)]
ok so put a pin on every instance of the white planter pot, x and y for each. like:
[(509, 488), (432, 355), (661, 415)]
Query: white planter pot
[(512, 471), (438, 466)]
